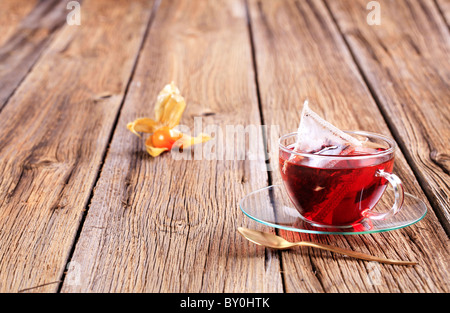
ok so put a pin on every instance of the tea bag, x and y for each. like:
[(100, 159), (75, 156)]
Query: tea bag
[(317, 136)]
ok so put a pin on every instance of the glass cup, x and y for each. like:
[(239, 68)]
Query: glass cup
[(340, 190)]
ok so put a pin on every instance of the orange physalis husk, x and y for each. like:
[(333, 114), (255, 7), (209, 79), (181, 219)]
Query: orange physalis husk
[(169, 108)]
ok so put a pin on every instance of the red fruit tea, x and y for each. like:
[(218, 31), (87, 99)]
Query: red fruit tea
[(338, 192)]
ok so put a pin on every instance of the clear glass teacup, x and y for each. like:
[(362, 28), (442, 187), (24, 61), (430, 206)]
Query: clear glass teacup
[(340, 190)]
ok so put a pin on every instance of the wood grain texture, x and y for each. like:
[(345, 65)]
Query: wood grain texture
[(12, 12), (167, 225), (24, 40), (444, 7), (301, 54), (405, 62), (53, 136)]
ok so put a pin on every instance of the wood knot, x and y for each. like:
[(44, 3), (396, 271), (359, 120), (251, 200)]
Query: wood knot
[(442, 160)]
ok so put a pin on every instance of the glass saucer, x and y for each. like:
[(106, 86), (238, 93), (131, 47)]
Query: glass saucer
[(271, 206)]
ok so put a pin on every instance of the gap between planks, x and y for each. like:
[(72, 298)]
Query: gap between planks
[(111, 134), (56, 26), (263, 131)]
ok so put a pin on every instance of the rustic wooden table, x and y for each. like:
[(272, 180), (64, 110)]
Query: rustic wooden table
[(83, 207)]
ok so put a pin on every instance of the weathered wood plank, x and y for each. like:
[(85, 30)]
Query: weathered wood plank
[(23, 41), (166, 225), (53, 136), (405, 61), (301, 54)]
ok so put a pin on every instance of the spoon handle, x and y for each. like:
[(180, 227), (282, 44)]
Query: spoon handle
[(354, 254)]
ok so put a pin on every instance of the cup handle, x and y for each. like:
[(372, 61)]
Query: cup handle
[(396, 183)]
